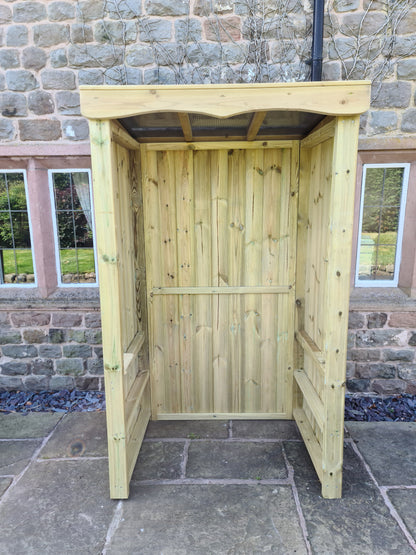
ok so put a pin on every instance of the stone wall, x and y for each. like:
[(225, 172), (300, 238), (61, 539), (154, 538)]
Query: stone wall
[(50, 48), (43, 349), (61, 349), (381, 353)]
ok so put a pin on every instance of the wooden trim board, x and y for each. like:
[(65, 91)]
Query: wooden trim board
[(222, 101)]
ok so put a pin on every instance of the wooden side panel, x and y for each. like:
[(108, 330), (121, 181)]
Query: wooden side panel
[(124, 334), (233, 226), (323, 265)]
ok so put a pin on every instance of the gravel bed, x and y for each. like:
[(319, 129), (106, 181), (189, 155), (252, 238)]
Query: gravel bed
[(55, 401), (398, 408), (367, 409)]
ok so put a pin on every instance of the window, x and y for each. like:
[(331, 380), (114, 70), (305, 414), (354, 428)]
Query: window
[(383, 200), (16, 257), (74, 226)]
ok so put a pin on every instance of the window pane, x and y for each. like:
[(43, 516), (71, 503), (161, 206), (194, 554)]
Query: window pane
[(382, 194), (25, 265), (16, 259), (62, 191), (393, 186), (17, 193), (2, 191), (6, 241), (66, 229), (373, 186), (21, 232), (75, 227), (389, 219), (371, 219), (81, 191), (83, 231)]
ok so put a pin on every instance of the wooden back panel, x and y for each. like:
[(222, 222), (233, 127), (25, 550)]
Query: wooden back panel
[(220, 240)]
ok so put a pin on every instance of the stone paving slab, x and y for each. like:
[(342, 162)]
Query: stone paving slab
[(405, 503), (389, 449), (80, 434), (228, 459), (4, 484), (15, 455), (188, 429), (58, 507), (265, 429), (31, 425), (200, 520), (358, 523), (159, 461)]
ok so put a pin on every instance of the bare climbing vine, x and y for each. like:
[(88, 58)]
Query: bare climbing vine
[(257, 41), (370, 47)]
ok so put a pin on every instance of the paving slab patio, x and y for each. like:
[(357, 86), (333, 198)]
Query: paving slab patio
[(159, 461), (203, 429), (358, 523), (202, 519), (239, 487), (389, 448), (57, 508), (15, 455), (78, 436), (404, 501), (241, 461), (28, 426)]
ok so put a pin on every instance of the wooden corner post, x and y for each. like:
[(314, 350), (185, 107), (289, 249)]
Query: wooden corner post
[(338, 256), (106, 211)]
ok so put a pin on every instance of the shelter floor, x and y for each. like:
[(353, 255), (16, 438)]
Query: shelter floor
[(202, 487)]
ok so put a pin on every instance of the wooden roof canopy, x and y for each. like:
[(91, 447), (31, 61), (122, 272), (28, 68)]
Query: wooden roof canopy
[(261, 111)]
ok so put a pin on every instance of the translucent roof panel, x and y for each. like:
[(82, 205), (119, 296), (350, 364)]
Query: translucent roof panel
[(165, 126), (289, 123)]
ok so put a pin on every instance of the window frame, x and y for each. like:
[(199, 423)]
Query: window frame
[(34, 284), (60, 283), (361, 283)]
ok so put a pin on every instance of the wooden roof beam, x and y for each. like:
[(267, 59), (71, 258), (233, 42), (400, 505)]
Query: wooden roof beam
[(186, 126), (255, 124)]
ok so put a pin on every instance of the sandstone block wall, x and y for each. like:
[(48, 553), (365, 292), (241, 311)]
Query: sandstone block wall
[(381, 353), (50, 48), (50, 349)]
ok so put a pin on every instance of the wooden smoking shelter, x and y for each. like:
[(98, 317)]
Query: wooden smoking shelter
[(224, 227)]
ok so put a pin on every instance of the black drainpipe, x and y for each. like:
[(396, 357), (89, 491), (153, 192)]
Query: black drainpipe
[(317, 40)]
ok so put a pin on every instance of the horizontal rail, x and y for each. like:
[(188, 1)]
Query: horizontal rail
[(134, 398), (220, 145), (311, 396), (133, 350), (220, 290), (224, 416), (311, 443), (310, 347)]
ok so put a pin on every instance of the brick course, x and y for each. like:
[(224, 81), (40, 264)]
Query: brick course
[(50, 350), (381, 358), (34, 354)]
